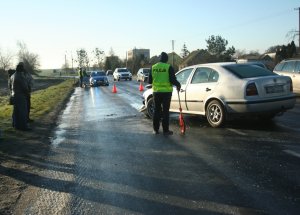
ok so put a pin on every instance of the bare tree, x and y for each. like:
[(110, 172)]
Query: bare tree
[(83, 58), (6, 60), (292, 34), (30, 60), (111, 52), (99, 56)]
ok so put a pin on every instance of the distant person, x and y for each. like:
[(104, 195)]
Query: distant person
[(84, 73), (162, 77), (81, 75), (20, 91)]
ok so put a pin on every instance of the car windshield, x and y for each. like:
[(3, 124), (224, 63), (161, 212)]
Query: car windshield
[(98, 73), (248, 71), (146, 71), (122, 70)]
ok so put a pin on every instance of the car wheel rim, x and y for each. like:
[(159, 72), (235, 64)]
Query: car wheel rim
[(150, 109), (215, 114)]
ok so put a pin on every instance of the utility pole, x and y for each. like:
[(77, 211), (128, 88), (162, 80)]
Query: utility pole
[(126, 60), (173, 41), (299, 25), (66, 62)]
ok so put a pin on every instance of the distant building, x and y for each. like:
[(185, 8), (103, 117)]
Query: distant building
[(137, 53)]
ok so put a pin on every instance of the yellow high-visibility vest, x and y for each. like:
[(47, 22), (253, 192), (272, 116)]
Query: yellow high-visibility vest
[(160, 78)]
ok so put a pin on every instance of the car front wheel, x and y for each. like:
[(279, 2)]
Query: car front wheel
[(150, 108), (215, 114)]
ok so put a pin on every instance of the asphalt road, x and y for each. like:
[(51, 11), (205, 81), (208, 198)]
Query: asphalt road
[(105, 160)]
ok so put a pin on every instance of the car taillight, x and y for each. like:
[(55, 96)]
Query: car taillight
[(251, 90)]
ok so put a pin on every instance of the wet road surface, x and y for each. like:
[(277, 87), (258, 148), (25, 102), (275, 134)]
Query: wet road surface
[(105, 160)]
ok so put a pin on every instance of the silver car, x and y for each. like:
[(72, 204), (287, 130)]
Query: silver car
[(222, 90), (122, 74), (143, 74), (290, 68)]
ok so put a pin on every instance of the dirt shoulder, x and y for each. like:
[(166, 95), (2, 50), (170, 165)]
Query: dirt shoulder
[(21, 153)]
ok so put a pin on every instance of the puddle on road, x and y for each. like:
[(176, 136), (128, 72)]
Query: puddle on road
[(94, 111), (60, 131)]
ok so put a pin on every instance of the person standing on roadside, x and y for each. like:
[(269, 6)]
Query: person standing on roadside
[(20, 91), (29, 80), (81, 75), (162, 77), (10, 72)]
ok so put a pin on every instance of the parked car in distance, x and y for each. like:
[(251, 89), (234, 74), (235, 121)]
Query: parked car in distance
[(98, 78), (221, 91), (122, 74), (143, 74), (109, 72), (256, 63), (290, 68)]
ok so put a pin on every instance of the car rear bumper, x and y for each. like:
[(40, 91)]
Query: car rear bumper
[(275, 105)]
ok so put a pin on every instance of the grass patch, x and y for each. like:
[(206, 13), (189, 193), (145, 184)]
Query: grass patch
[(42, 102)]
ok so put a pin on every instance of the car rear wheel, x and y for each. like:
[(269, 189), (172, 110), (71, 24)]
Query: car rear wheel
[(215, 114), (150, 108)]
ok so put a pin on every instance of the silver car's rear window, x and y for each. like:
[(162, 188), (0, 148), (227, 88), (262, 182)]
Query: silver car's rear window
[(248, 71)]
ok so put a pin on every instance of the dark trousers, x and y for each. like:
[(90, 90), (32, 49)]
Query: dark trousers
[(161, 110), (20, 113)]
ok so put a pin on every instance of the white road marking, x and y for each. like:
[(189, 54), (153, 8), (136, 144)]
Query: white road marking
[(292, 153), (236, 131)]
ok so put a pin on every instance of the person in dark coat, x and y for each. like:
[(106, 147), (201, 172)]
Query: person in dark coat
[(162, 77), (20, 91), (29, 79)]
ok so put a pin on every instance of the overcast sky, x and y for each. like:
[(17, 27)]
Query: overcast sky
[(55, 28)]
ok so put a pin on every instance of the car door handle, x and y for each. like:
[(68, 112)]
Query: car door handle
[(208, 89), (181, 90)]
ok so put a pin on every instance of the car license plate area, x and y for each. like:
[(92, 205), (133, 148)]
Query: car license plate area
[(274, 89)]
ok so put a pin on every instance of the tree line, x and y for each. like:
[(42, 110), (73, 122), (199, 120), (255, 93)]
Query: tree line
[(217, 50)]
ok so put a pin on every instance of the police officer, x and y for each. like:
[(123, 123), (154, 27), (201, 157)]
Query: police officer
[(162, 77), (80, 74)]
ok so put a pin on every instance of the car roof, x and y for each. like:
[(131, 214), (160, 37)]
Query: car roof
[(211, 64)]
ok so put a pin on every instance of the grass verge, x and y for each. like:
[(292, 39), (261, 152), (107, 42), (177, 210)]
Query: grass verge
[(42, 102)]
